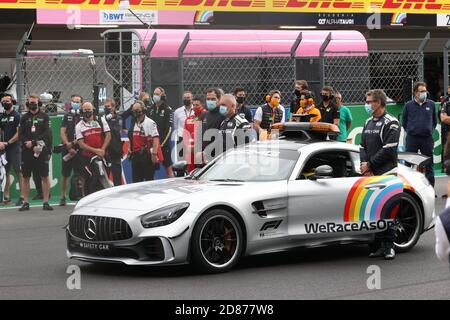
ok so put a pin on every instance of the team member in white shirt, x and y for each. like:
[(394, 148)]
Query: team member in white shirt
[(181, 114)]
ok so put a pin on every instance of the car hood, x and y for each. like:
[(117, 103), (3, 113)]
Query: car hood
[(147, 196)]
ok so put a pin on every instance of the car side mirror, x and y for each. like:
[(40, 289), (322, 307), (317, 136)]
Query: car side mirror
[(179, 168), (323, 172)]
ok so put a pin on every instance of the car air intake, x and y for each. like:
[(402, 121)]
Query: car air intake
[(92, 228)]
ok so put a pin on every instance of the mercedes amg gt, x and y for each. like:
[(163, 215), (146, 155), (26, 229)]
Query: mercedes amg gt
[(300, 190)]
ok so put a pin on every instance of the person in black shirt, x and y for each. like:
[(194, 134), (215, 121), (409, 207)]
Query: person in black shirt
[(328, 109), (115, 147), (9, 125), (244, 112), (34, 133), (445, 122), (235, 130), (162, 114), (70, 155), (207, 131), (378, 155)]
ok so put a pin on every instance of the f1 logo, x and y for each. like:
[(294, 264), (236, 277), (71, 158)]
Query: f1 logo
[(271, 225)]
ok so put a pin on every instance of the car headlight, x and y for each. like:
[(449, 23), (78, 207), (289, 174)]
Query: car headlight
[(163, 216)]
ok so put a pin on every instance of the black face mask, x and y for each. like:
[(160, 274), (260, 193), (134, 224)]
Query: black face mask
[(87, 114), (326, 98), (240, 100), (7, 105), (297, 93), (107, 111), (187, 102), (33, 106), (146, 102), (137, 114)]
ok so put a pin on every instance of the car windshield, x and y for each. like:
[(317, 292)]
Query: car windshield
[(251, 164)]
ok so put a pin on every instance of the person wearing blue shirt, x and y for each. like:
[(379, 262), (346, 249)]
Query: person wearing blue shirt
[(419, 122)]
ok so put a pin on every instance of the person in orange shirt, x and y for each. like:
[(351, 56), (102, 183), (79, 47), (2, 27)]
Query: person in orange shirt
[(307, 106)]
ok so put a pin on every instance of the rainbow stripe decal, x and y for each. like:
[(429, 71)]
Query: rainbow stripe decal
[(366, 204), (398, 18), (203, 16)]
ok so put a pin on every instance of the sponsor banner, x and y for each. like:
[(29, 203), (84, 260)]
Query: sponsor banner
[(124, 17), (443, 20), (325, 6)]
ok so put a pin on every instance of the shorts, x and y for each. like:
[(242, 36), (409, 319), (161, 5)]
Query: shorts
[(73, 164), (13, 156), (167, 154), (30, 163)]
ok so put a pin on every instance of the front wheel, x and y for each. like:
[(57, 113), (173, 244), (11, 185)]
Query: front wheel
[(217, 241), (409, 222)]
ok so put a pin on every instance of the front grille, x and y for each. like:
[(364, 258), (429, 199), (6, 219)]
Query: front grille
[(106, 228)]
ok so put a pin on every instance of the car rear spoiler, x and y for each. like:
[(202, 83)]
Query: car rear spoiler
[(414, 160)]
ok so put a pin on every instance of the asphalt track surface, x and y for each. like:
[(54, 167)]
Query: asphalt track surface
[(33, 265)]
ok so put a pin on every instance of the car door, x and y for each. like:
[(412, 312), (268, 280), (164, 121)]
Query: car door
[(340, 205)]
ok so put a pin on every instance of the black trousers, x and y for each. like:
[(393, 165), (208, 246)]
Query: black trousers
[(116, 171), (142, 167), (426, 147)]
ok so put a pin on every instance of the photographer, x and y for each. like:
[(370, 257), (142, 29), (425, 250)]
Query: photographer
[(70, 150), (34, 133)]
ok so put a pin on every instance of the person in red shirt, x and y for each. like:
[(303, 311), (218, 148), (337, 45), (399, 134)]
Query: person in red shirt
[(144, 148), (190, 127), (93, 138)]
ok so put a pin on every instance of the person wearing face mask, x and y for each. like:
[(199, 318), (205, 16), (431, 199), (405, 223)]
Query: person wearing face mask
[(70, 155), (208, 129), (300, 85), (161, 113), (93, 136), (144, 144), (445, 123), (378, 155), (181, 114), (307, 107), (191, 124), (268, 114), (115, 146), (235, 130), (240, 94), (328, 109), (9, 126), (34, 133), (419, 121)]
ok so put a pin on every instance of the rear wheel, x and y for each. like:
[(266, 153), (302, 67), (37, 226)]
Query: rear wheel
[(217, 241), (409, 222)]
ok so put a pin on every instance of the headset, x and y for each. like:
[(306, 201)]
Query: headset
[(28, 104), (308, 100), (14, 102)]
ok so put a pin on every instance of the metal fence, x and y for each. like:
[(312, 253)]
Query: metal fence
[(123, 76), (258, 75), (355, 74)]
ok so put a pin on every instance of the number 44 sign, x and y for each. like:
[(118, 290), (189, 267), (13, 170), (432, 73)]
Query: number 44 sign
[(443, 20)]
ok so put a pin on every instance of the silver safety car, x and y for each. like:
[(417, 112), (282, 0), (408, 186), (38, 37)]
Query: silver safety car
[(301, 190)]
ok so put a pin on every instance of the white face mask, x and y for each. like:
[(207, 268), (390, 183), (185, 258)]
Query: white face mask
[(423, 96)]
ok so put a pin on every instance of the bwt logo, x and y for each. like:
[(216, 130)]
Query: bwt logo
[(322, 21), (113, 16)]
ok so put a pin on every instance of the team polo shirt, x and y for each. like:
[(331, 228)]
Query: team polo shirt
[(143, 134), (92, 134)]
